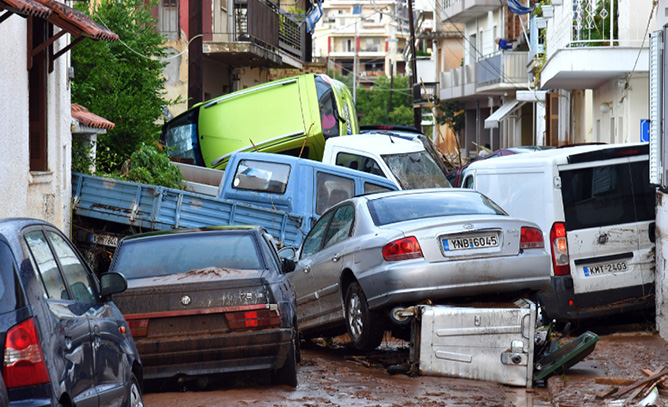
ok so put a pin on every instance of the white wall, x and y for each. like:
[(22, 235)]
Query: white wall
[(45, 195), (628, 105)]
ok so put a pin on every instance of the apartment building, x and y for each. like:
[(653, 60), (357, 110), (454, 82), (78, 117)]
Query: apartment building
[(371, 33), (594, 64), (242, 40), (488, 79)]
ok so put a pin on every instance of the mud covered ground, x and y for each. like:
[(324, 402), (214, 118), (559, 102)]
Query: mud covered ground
[(333, 374)]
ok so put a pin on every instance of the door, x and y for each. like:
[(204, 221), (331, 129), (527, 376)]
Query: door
[(107, 340), (72, 350), (609, 210), (302, 279), (327, 264)]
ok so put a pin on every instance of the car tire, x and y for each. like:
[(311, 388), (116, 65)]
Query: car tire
[(287, 374), (363, 328), (134, 398)]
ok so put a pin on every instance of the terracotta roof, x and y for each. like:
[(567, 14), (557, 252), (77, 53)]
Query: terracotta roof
[(76, 22), (26, 8), (89, 119)]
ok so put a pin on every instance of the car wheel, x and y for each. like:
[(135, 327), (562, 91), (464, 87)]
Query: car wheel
[(287, 374), (134, 398), (363, 327)]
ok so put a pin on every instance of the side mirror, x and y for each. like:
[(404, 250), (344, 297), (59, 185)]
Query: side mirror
[(112, 283), (288, 265), (287, 253)]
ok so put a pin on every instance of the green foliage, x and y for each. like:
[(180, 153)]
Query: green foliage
[(372, 104), (147, 165), (121, 81), (450, 112)]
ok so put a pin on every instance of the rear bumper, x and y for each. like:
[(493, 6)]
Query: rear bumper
[(561, 303), (232, 352), (413, 281)]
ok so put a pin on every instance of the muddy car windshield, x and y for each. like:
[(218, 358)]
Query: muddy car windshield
[(416, 170), (393, 209), (179, 253)]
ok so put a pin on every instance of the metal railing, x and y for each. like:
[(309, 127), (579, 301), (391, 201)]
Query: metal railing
[(503, 67), (426, 93), (258, 21)]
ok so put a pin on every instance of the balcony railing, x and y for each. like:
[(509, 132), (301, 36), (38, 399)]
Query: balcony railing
[(426, 93), (594, 23), (508, 67), (257, 21)]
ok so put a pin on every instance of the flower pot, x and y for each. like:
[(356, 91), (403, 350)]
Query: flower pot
[(541, 22), (556, 2), (548, 11)]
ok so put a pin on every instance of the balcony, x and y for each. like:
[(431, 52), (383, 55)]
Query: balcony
[(503, 70), (593, 43), (459, 11), (458, 83), (254, 33)]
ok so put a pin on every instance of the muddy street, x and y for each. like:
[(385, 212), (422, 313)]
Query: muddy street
[(334, 374), (337, 375)]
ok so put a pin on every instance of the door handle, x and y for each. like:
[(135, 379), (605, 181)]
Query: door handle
[(336, 257)]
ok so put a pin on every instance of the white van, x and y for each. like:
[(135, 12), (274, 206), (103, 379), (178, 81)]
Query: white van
[(402, 159), (597, 212)]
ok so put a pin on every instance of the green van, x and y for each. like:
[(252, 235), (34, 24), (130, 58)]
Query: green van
[(291, 116)]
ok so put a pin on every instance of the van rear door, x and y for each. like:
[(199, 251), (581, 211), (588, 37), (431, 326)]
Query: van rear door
[(609, 213)]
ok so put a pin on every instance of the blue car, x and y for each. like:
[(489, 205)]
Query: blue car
[(65, 343)]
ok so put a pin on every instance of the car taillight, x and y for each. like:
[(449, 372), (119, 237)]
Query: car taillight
[(402, 249), (138, 327), (253, 319), (559, 250), (24, 362), (531, 238)]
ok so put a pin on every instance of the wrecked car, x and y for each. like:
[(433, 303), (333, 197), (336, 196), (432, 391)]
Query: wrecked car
[(370, 255), (207, 301)]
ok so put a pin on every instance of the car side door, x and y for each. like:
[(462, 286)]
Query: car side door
[(326, 272), (111, 370), (68, 344), (301, 278)]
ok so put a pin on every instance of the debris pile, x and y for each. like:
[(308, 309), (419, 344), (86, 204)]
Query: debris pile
[(625, 392)]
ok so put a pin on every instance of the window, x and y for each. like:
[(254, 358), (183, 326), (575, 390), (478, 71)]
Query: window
[(183, 253), (401, 208), (328, 110), (607, 195), (76, 275), (40, 32), (169, 3), (45, 264), (313, 241), (341, 225), (416, 170), (370, 188), (180, 136), (332, 189), (262, 176)]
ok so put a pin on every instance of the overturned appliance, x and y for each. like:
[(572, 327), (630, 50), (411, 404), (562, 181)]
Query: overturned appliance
[(493, 344)]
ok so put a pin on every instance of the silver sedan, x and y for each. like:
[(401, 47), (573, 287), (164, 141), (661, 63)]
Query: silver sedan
[(368, 255)]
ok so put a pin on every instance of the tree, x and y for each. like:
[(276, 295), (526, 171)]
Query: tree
[(122, 80), (373, 104)]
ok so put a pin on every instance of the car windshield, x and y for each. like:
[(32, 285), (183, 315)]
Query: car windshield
[(399, 208), (179, 253), (416, 170)]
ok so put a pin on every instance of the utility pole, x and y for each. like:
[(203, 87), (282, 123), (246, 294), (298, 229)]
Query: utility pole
[(389, 105), (356, 45), (417, 112), (195, 81)]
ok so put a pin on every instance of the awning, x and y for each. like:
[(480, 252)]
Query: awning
[(507, 108), (25, 8), (70, 20), (76, 22)]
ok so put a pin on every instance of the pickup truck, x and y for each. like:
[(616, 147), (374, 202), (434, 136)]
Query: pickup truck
[(284, 194)]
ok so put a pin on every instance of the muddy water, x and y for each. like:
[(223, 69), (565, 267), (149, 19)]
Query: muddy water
[(338, 376)]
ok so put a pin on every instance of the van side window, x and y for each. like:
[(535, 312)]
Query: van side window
[(468, 182), (370, 188), (328, 109), (607, 195), (332, 189), (262, 176)]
